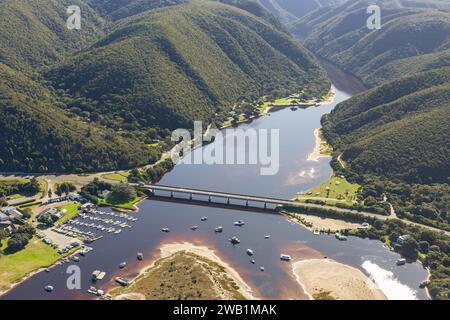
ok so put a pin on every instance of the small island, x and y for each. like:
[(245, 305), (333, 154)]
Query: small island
[(186, 272)]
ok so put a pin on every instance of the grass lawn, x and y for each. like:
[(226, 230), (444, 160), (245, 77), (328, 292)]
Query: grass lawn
[(72, 210), (336, 188), (118, 176), (120, 204), (44, 187), (14, 267)]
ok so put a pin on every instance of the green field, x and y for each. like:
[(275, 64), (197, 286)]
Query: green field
[(14, 267), (118, 176), (336, 189), (72, 210), (120, 204)]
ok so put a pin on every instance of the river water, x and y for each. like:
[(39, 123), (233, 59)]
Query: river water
[(295, 174)]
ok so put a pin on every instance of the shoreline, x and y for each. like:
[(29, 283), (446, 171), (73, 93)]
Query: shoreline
[(317, 154), (170, 249), (332, 279)]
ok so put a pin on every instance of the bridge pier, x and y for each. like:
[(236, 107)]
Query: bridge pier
[(246, 203), (190, 196), (209, 199), (265, 205), (228, 200), (171, 194)]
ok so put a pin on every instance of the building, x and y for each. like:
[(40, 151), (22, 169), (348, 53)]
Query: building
[(51, 212), (3, 217), (402, 239), (8, 226), (12, 213)]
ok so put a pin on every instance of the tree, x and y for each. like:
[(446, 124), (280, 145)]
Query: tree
[(424, 246), (17, 242), (123, 192), (65, 187), (409, 248)]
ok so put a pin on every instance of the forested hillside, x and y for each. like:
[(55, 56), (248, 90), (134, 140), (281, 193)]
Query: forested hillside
[(37, 136), (412, 38), (134, 70), (183, 63), (395, 136)]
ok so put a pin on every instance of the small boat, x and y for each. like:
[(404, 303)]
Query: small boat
[(204, 218), (316, 232), (140, 256), (340, 237), (253, 261), (75, 259), (98, 275), (47, 270), (166, 230), (49, 288), (235, 240), (239, 223), (219, 229), (262, 269), (424, 284), (250, 252), (285, 257), (267, 236), (194, 228), (122, 265), (401, 262), (123, 282)]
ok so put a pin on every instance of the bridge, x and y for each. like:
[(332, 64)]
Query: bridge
[(248, 201)]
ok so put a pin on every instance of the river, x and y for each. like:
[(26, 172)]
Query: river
[(295, 174)]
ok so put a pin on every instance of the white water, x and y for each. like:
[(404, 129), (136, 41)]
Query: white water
[(385, 280)]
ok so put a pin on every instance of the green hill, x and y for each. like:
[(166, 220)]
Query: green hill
[(412, 38), (33, 33), (172, 66), (396, 130), (37, 136)]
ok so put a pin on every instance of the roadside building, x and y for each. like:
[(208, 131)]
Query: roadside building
[(53, 213), (8, 227), (12, 213)]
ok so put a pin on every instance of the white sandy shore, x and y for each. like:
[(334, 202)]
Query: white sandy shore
[(316, 154), (339, 280), (321, 223)]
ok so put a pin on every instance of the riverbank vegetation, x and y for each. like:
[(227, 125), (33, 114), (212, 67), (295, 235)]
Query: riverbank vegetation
[(181, 276), (15, 266)]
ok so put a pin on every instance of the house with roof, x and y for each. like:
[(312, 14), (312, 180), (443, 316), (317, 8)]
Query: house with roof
[(12, 213), (53, 213)]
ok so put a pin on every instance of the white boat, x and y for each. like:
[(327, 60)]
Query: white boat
[(194, 228), (262, 269), (122, 265), (204, 218), (253, 261), (235, 240), (250, 252), (401, 262), (285, 257), (49, 288), (267, 236), (239, 223), (166, 230), (219, 229)]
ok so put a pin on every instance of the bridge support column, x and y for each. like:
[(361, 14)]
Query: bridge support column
[(265, 205), (246, 203), (171, 194), (209, 199), (228, 200), (190, 196)]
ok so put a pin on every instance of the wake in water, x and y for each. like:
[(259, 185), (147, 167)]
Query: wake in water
[(385, 280)]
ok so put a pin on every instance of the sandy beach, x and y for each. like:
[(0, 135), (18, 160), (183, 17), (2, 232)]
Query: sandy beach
[(317, 152), (333, 279), (324, 223)]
